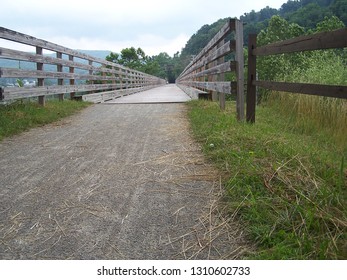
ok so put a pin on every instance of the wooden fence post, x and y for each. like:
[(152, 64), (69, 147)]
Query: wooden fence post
[(240, 100), (72, 81), (104, 75), (220, 77), (127, 80), (91, 82), (59, 70), (40, 81), (251, 88), (121, 80), (113, 74), (213, 78)]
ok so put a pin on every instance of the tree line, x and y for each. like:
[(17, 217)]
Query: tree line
[(305, 14)]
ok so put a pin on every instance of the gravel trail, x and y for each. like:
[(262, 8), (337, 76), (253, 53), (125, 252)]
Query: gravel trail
[(123, 181)]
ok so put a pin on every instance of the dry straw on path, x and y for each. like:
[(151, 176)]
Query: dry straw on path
[(113, 182)]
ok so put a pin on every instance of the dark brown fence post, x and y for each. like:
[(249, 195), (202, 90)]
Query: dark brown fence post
[(40, 81), (251, 88)]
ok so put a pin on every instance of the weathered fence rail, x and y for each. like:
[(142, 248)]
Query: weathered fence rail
[(98, 79), (319, 41), (206, 72)]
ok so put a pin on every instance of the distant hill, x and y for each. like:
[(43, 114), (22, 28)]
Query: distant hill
[(306, 13), (96, 53)]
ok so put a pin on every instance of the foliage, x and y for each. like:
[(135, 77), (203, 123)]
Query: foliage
[(306, 13), (161, 65), (329, 24), (272, 67), (309, 15), (20, 83), (280, 66), (339, 8), (320, 67), (300, 17), (286, 186), (296, 18), (129, 57), (199, 40)]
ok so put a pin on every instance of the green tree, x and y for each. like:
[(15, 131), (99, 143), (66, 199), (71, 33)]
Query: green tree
[(329, 24), (113, 57), (289, 7), (322, 66), (133, 58), (166, 66), (339, 9), (309, 15), (161, 65), (129, 57), (276, 67)]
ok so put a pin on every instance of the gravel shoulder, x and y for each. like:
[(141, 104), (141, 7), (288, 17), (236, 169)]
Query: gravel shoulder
[(122, 181)]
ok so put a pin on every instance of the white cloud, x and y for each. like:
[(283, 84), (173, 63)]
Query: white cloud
[(151, 44), (153, 25)]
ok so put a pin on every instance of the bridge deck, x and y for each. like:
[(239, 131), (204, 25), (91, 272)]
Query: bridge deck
[(165, 94)]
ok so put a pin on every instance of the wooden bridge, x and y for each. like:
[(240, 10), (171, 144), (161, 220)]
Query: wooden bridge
[(78, 75), (127, 181)]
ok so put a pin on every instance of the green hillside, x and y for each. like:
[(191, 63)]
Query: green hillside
[(306, 13)]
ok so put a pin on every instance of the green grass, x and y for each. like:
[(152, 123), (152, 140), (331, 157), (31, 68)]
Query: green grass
[(18, 117), (287, 186)]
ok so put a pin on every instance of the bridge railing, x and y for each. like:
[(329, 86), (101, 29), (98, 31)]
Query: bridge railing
[(73, 72), (319, 41), (206, 72)]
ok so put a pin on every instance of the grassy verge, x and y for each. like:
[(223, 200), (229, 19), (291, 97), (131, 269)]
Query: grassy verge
[(18, 117), (288, 187)]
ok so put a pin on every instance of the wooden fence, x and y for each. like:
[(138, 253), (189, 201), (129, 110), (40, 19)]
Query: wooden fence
[(319, 41), (206, 72), (99, 80)]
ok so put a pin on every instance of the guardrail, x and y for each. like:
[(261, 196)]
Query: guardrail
[(98, 79), (206, 72), (319, 41)]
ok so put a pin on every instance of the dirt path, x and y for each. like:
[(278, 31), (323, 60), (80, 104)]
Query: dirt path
[(113, 182)]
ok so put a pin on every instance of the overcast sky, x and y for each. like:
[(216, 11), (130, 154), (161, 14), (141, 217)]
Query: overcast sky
[(155, 26)]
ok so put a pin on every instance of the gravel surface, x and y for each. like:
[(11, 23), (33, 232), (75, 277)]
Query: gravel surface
[(123, 181)]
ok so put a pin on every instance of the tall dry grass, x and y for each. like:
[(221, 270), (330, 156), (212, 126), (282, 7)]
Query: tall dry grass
[(314, 113)]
